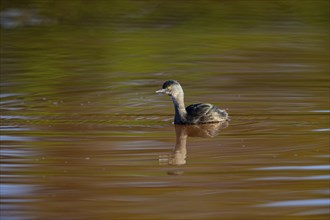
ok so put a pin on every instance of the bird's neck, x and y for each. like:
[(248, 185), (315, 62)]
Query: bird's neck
[(180, 109)]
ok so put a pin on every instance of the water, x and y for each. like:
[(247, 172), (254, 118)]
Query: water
[(84, 136)]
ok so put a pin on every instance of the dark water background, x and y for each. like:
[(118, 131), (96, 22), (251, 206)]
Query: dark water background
[(84, 136)]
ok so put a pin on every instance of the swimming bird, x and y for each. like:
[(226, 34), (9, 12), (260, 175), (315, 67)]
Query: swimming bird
[(194, 114)]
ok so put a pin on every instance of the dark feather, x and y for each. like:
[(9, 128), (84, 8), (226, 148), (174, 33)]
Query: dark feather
[(205, 113), (198, 109)]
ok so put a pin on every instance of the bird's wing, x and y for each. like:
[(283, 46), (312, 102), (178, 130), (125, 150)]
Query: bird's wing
[(198, 109)]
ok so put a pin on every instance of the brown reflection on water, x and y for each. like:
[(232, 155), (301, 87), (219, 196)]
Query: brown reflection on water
[(72, 161), (265, 165), (178, 157)]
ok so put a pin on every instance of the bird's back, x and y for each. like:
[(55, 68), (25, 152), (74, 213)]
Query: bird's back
[(205, 113)]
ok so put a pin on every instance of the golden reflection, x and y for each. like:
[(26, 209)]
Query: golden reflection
[(179, 154)]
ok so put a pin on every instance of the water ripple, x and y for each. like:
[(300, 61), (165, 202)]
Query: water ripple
[(16, 117), (319, 177), (15, 138), (321, 129), (312, 167), (321, 111), (12, 128), (298, 203)]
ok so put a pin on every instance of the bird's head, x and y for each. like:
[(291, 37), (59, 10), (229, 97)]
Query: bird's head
[(171, 88)]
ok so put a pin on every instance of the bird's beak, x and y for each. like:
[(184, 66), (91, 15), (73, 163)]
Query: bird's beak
[(163, 91)]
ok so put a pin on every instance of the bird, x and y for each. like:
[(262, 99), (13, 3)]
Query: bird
[(200, 113)]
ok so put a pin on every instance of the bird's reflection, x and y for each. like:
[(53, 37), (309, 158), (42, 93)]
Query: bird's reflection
[(179, 154)]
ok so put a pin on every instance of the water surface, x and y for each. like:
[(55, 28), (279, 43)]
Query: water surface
[(84, 136)]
